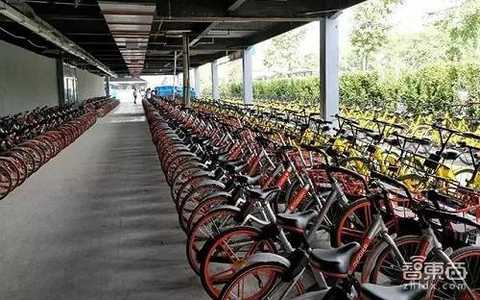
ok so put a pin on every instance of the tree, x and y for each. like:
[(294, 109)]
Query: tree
[(462, 24), (371, 26), (404, 51), (283, 55)]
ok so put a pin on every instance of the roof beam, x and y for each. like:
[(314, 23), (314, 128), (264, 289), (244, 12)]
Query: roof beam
[(225, 19), (59, 17), (76, 3), (236, 5), (202, 34), (222, 19), (52, 35)]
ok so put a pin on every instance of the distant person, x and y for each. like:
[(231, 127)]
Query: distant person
[(148, 94), (135, 95)]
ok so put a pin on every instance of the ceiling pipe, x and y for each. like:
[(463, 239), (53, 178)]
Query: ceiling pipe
[(52, 35)]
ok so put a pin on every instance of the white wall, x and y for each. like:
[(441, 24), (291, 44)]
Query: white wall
[(90, 85), (27, 80)]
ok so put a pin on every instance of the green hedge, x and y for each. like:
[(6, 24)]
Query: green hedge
[(432, 87), (304, 89)]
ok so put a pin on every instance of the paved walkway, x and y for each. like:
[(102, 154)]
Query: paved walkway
[(96, 222)]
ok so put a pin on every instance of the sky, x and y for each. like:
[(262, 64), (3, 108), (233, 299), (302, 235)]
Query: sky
[(410, 16)]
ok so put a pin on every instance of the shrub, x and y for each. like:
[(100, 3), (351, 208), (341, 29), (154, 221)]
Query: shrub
[(430, 88)]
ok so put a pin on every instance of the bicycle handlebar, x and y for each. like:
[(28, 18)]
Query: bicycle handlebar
[(443, 128), (381, 178), (389, 124), (471, 135), (320, 120), (347, 120), (434, 213), (463, 144)]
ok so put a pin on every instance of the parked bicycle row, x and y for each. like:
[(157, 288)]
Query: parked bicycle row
[(29, 140), (279, 208), (416, 126), (102, 105)]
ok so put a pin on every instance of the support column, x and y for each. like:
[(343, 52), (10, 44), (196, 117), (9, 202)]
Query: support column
[(197, 83), (215, 90), (174, 79), (60, 82), (329, 67), (186, 71), (247, 76), (107, 86)]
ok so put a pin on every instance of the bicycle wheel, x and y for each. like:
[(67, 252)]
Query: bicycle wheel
[(33, 160), (226, 254), (20, 165), (171, 154), (257, 281), (207, 228), (355, 221), (42, 149), (9, 167), (384, 267), (468, 260), (188, 186), (184, 174), (27, 158), (205, 207), (176, 163), (5, 183), (192, 200), (36, 151)]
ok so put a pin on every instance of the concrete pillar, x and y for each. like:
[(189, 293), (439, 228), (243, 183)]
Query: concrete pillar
[(215, 90), (107, 86), (174, 78), (247, 76), (329, 67), (60, 82), (197, 83), (186, 71)]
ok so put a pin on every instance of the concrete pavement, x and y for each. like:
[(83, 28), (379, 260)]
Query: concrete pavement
[(96, 222)]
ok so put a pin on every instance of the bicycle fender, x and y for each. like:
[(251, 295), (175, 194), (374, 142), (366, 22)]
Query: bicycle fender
[(208, 182), (259, 258), (184, 152), (217, 194), (229, 207)]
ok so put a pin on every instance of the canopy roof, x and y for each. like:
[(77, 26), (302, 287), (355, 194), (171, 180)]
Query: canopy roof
[(141, 37)]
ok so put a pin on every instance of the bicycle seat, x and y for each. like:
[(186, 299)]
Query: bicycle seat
[(393, 141), (350, 138), (234, 166), (437, 197), (421, 141), (216, 149), (249, 180), (336, 260), (401, 292), (262, 194), (222, 157), (296, 221), (450, 154), (374, 135)]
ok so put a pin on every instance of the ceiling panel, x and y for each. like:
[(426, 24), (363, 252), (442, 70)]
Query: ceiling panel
[(130, 25)]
